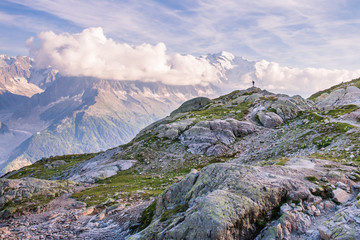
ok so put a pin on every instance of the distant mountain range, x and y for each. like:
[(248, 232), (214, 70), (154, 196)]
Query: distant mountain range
[(49, 114)]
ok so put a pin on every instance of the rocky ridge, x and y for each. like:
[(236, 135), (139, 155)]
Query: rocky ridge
[(265, 166)]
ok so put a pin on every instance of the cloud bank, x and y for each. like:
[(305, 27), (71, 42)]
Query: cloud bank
[(91, 53), (273, 77)]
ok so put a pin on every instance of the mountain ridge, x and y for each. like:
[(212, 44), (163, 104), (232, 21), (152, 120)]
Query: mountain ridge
[(251, 164), (68, 97)]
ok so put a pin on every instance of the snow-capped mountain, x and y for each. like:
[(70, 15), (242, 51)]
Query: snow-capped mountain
[(18, 77), (234, 72)]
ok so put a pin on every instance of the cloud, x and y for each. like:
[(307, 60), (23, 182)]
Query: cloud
[(91, 53), (304, 81)]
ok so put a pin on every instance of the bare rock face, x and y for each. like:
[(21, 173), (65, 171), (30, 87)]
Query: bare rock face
[(212, 137), (344, 224), (236, 201), (100, 167), (288, 223), (228, 199)]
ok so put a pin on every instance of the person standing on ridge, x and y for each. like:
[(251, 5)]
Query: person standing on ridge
[(253, 82)]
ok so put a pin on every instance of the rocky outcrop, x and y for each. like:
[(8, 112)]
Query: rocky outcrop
[(193, 104), (100, 167), (234, 201), (344, 224), (268, 186), (20, 194), (339, 97), (226, 198), (213, 137)]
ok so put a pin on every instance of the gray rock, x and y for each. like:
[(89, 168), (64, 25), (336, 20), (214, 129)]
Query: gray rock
[(171, 133), (223, 197), (204, 136), (269, 119), (285, 208), (344, 224), (341, 185), (339, 97), (172, 130), (340, 196), (100, 167), (290, 222), (216, 150)]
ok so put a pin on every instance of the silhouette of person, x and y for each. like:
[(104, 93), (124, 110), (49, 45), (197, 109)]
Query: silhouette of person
[(253, 82)]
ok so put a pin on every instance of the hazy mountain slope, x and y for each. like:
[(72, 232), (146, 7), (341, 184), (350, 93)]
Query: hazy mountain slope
[(70, 103), (57, 118), (88, 115)]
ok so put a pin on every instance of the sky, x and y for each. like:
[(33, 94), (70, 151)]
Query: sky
[(303, 34)]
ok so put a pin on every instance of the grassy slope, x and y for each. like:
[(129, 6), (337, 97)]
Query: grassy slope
[(309, 132), (355, 82)]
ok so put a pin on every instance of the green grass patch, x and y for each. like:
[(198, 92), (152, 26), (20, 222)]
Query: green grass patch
[(48, 169), (342, 110), (232, 95), (27, 204), (125, 185), (282, 161), (269, 98), (322, 142), (312, 179), (147, 216), (221, 112)]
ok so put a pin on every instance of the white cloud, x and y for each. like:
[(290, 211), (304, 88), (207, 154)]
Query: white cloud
[(91, 53), (273, 77)]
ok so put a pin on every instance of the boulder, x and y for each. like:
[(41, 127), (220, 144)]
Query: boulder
[(206, 134), (101, 166), (216, 150), (174, 129), (269, 119), (340, 196)]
